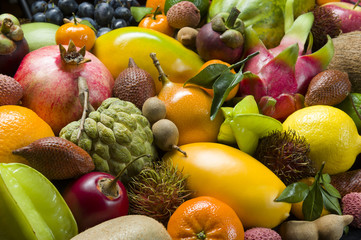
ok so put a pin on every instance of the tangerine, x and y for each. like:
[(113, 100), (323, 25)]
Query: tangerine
[(233, 92), (155, 4), (80, 34), (19, 126), (205, 218)]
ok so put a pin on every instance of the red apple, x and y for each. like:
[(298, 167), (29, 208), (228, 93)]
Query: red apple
[(350, 17)]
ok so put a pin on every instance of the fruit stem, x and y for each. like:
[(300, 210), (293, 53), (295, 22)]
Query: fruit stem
[(179, 150), (131, 63), (232, 17), (162, 76), (74, 17), (109, 188), (356, 4), (201, 235), (241, 63), (84, 101), (154, 17), (6, 25)]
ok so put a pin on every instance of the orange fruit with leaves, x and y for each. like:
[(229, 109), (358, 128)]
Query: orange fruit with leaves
[(205, 218), (19, 126), (233, 92), (189, 109)]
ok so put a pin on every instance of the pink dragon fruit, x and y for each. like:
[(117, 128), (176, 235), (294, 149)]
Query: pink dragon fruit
[(278, 77)]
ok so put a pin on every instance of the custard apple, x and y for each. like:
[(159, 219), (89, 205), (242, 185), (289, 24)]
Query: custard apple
[(113, 135)]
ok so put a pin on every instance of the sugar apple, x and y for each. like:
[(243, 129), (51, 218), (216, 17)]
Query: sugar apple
[(113, 135)]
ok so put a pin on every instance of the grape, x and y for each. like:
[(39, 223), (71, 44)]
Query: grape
[(86, 9), (116, 3), (103, 14), (118, 23), (38, 6), (39, 17), (51, 5), (102, 31), (92, 22), (122, 13), (68, 6), (54, 15)]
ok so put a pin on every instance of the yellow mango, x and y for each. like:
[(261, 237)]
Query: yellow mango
[(116, 47), (234, 177)]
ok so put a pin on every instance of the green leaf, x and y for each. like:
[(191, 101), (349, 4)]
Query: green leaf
[(207, 77), (293, 193), (330, 202), (140, 12), (221, 88), (313, 204), (325, 178), (87, 23), (331, 190)]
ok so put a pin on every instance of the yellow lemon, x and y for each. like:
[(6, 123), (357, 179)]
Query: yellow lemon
[(331, 133)]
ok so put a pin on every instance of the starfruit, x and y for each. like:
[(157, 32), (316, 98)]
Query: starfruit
[(244, 125), (31, 206), (278, 77)]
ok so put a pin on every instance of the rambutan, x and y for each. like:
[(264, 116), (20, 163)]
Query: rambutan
[(157, 191), (286, 154)]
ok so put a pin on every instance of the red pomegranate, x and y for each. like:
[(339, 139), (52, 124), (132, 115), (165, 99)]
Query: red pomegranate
[(49, 77)]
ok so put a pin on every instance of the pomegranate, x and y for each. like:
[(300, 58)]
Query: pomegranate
[(49, 77)]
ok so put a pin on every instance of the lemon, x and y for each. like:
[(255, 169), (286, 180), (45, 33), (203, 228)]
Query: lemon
[(331, 133)]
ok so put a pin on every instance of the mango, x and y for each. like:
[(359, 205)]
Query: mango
[(116, 47), (234, 177)]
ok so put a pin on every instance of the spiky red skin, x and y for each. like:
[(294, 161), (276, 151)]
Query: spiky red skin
[(89, 205), (51, 87)]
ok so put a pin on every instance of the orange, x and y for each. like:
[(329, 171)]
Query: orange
[(155, 3), (205, 218), (80, 34), (19, 126), (233, 92), (157, 22), (321, 2), (189, 109), (296, 208)]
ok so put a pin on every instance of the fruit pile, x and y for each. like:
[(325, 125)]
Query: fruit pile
[(181, 120)]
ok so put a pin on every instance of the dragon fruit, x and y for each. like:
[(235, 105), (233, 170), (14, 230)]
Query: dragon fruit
[(278, 77)]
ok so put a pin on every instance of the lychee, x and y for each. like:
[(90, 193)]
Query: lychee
[(261, 233), (351, 205), (183, 14)]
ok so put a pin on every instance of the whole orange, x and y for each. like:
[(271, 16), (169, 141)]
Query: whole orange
[(234, 91), (189, 109), (205, 218), (19, 126), (80, 34), (157, 22)]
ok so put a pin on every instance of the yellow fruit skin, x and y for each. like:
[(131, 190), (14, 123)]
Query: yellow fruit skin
[(115, 48), (236, 178), (331, 133)]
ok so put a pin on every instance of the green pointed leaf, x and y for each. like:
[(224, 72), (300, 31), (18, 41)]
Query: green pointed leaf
[(293, 193), (313, 204), (325, 178), (301, 28), (221, 88), (288, 56), (289, 16), (207, 77), (331, 190), (87, 23), (331, 203), (140, 12), (322, 56)]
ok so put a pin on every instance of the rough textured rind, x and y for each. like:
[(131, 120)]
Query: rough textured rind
[(351, 205), (260, 233), (329, 87), (183, 14), (130, 227), (113, 135), (347, 182), (10, 90), (57, 158), (346, 58)]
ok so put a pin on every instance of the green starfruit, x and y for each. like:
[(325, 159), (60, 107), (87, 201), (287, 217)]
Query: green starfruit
[(31, 207), (244, 125)]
